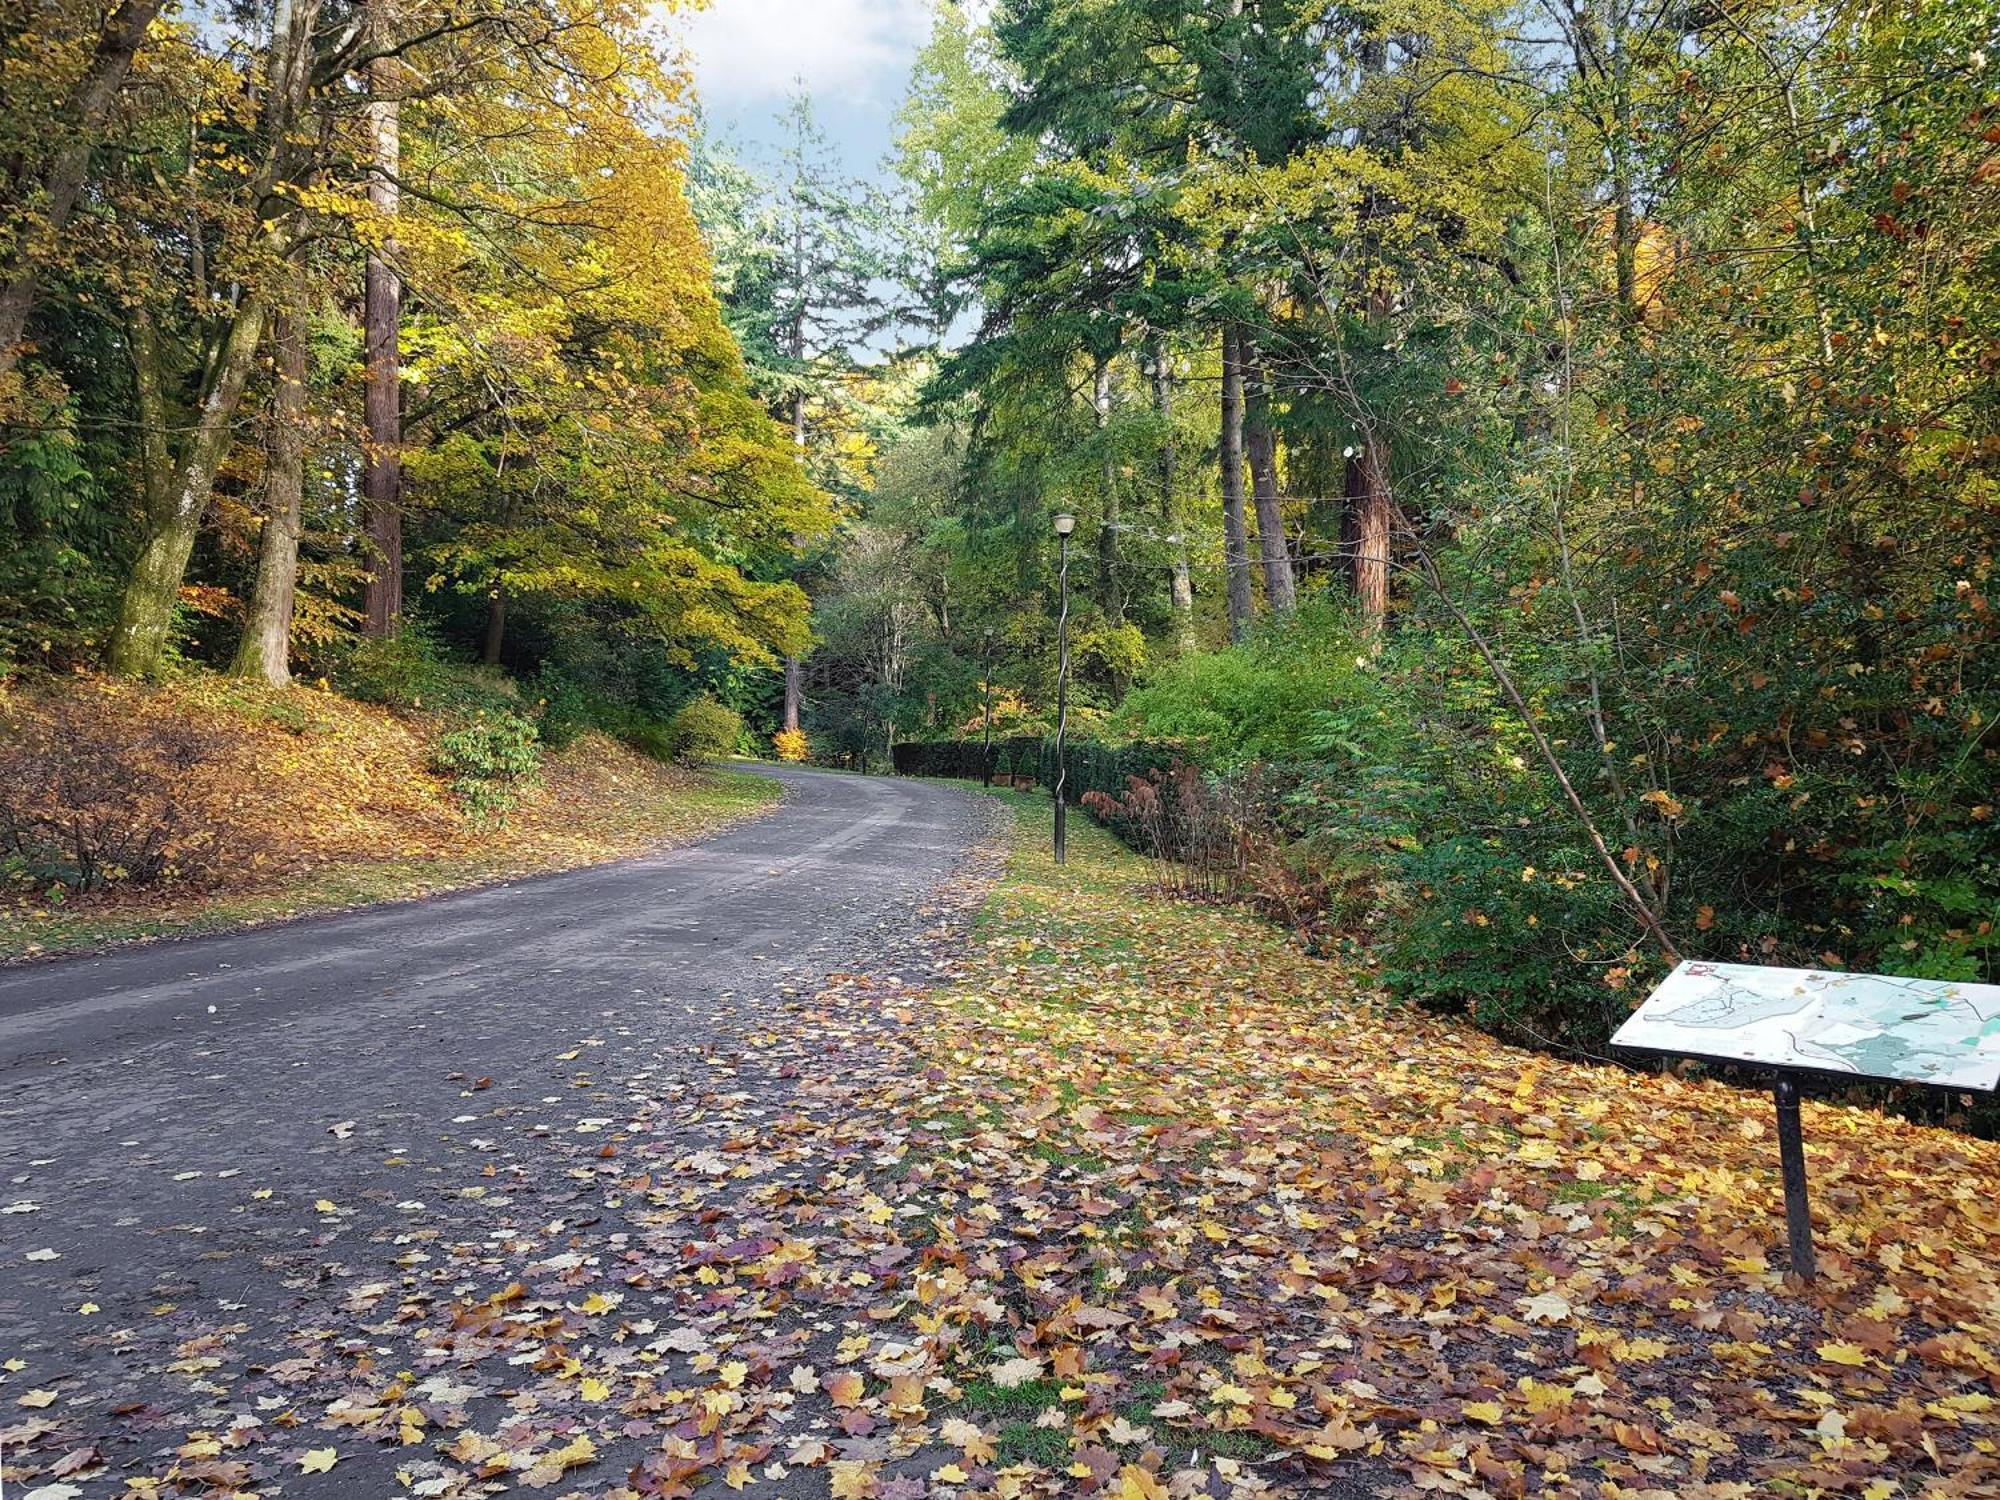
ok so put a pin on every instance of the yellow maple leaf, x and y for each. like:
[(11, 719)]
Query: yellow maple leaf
[(1135, 1483), (852, 1480), (318, 1460), (1843, 1354), (593, 1389), (1488, 1412)]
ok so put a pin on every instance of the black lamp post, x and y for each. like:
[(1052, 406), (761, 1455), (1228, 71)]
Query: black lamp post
[(1065, 525), (986, 683)]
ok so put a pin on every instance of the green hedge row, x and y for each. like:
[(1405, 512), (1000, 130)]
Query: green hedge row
[(1032, 759), (1016, 757)]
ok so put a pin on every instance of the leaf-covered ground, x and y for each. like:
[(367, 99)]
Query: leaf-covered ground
[(332, 804), (1138, 1201)]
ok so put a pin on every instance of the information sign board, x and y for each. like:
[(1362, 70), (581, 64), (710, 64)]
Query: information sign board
[(1927, 1031), (1934, 1032)]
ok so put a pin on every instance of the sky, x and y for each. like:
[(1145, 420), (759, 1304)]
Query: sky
[(854, 55)]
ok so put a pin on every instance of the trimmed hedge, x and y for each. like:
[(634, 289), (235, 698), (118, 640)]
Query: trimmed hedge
[(1031, 760), (1015, 757)]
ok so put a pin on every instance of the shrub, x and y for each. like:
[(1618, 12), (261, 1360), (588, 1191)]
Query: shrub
[(1520, 933), (705, 730), (650, 738), (98, 789), (403, 670), (566, 710), (488, 761), (792, 746), (1302, 686)]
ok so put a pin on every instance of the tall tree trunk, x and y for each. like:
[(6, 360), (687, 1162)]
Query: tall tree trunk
[(1182, 587), (1369, 512), (796, 341), (1280, 590), (795, 692), (146, 614), (1347, 559), (1110, 582), (265, 650), (382, 483), (89, 107), (1235, 534), (496, 624), (795, 672)]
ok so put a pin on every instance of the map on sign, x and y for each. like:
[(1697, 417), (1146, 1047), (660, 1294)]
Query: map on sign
[(1908, 1030)]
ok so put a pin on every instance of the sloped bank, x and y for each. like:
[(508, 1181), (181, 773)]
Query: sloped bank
[(131, 812)]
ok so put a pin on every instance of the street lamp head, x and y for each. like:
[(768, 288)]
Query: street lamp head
[(1065, 523)]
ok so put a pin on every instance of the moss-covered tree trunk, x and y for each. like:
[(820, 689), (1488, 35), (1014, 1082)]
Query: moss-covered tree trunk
[(265, 650), (146, 614), (178, 486)]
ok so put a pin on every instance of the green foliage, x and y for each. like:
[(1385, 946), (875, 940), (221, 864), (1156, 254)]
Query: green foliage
[(1300, 687), (567, 711), (402, 670), (411, 670), (488, 760), (704, 730), (1520, 947), (55, 534)]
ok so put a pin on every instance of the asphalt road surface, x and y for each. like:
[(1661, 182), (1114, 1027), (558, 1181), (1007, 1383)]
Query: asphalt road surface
[(211, 1135)]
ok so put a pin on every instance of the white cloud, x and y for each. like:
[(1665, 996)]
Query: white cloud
[(746, 51)]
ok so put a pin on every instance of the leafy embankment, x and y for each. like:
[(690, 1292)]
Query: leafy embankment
[(133, 811), (1185, 1198)]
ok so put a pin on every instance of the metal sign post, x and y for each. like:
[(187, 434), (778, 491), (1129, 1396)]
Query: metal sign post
[(1792, 1158), (1807, 1023)]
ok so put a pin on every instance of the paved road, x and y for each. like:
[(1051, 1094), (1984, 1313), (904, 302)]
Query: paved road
[(176, 1120)]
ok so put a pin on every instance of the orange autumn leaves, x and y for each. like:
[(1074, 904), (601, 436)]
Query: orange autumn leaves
[(1223, 1197)]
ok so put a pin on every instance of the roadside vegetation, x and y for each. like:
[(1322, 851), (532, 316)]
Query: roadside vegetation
[(1212, 1208), (133, 810)]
